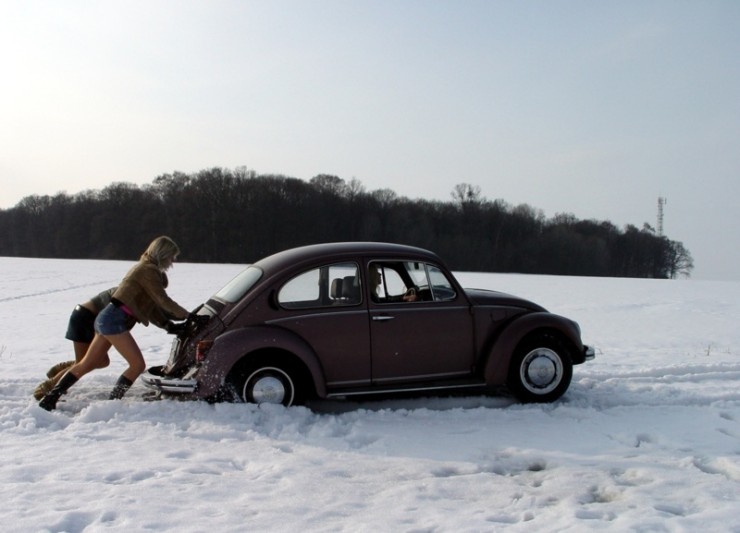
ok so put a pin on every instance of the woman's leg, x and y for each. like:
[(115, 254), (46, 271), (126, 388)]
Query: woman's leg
[(126, 345), (95, 357), (103, 360), (81, 349)]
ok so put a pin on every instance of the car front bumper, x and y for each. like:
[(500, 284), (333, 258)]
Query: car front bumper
[(154, 379), (589, 353)]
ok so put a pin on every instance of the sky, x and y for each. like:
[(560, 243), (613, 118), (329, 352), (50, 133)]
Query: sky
[(591, 108)]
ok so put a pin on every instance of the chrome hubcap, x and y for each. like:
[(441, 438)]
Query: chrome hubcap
[(269, 385), (268, 390), (541, 370)]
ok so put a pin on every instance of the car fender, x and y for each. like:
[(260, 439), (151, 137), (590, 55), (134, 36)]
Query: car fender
[(231, 347), (496, 369)]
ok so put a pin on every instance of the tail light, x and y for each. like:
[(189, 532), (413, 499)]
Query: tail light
[(201, 350)]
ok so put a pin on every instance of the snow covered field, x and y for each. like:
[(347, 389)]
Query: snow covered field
[(646, 439)]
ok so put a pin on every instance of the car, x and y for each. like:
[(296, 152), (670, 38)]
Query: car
[(339, 320)]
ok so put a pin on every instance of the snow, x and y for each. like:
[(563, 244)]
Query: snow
[(647, 439)]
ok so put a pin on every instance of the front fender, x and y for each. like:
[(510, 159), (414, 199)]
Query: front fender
[(231, 347), (502, 349)]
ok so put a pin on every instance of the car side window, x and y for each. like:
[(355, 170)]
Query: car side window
[(325, 286), (344, 284), (408, 282), (442, 289), (386, 284), (392, 284)]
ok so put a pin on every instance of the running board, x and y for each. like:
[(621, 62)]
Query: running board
[(395, 390)]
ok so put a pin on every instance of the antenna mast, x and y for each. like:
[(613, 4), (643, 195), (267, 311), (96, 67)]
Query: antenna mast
[(661, 202)]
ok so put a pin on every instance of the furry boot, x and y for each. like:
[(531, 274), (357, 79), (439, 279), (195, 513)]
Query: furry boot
[(122, 385), (59, 367), (44, 388), (49, 402)]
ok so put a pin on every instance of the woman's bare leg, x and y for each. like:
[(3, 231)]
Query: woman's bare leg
[(126, 345), (95, 357), (81, 349)]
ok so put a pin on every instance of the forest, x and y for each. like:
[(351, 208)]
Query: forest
[(222, 215)]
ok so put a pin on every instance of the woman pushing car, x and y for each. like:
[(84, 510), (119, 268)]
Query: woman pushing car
[(140, 297)]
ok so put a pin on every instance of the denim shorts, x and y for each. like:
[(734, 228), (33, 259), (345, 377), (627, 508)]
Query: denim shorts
[(81, 325), (113, 320)]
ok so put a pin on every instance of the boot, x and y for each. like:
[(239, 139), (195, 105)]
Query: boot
[(49, 402), (122, 385), (59, 367), (44, 388)]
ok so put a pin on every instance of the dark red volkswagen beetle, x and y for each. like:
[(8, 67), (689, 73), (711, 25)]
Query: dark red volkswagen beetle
[(340, 319)]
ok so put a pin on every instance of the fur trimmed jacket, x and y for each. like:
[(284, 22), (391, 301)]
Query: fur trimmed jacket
[(142, 291)]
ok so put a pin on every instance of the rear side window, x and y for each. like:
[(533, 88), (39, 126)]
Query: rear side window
[(234, 290), (325, 286)]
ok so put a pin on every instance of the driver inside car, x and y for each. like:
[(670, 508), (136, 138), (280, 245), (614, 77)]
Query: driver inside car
[(378, 296)]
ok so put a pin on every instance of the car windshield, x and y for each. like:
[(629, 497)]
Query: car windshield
[(238, 287)]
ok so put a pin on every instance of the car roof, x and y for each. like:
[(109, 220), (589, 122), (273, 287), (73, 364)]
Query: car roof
[(342, 250)]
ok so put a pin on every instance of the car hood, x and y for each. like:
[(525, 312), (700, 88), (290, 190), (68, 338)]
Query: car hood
[(488, 297)]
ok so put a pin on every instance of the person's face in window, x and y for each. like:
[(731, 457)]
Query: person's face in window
[(375, 278)]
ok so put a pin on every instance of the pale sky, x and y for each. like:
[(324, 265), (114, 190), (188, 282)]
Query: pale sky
[(571, 106)]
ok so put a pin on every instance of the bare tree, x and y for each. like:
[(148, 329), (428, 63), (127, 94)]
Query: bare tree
[(465, 193)]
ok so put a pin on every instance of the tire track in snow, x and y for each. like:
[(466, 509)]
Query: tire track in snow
[(680, 373), (692, 385), (54, 291)]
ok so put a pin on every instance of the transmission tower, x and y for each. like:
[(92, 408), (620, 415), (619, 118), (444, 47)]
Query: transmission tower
[(661, 202)]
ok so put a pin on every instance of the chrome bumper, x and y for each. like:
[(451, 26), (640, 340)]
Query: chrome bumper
[(153, 379), (588, 353)]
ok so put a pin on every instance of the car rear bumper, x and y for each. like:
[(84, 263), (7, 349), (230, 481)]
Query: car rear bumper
[(154, 379)]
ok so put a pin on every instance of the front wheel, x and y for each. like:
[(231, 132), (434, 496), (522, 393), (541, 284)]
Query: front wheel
[(541, 369), (266, 384)]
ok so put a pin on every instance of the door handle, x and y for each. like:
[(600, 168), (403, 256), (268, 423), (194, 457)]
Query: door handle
[(383, 318)]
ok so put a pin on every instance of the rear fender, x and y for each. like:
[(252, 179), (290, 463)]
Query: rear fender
[(496, 369), (231, 347)]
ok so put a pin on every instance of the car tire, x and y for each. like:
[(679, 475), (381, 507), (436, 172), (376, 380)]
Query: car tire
[(541, 369), (266, 384)]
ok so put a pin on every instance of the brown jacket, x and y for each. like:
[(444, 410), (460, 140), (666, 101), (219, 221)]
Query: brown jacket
[(142, 291)]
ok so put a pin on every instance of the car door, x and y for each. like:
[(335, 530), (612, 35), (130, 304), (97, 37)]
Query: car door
[(424, 340), (324, 307)]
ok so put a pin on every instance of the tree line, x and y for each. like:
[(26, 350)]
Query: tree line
[(237, 216)]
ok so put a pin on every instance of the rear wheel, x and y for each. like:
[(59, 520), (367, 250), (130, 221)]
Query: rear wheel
[(541, 369), (263, 383)]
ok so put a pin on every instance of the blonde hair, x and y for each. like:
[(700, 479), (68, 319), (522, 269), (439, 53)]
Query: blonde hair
[(161, 251)]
